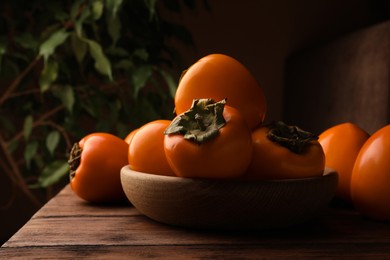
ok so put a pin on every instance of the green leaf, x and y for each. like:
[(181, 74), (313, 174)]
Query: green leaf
[(52, 174), (172, 84), (113, 6), (48, 75), (26, 41), (47, 47), (141, 54), (66, 94), (49, 30), (151, 5), (52, 140), (97, 9), (117, 52), (114, 27), (27, 126), (29, 152), (102, 63), (75, 9), (79, 47), (125, 64), (79, 15), (140, 77)]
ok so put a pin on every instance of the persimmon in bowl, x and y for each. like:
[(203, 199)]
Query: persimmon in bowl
[(228, 204)]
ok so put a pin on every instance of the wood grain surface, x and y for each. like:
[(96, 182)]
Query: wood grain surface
[(67, 227)]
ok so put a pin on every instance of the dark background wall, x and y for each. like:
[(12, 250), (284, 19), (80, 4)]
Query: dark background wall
[(263, 34)]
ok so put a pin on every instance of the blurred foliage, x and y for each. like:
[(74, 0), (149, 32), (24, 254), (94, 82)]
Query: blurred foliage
[(68, 68)]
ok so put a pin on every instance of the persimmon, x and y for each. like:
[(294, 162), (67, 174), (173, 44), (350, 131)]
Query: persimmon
[(285, 152), (95, 163), (218, 76), (146, 149), (210, 140), (130, 136), (370, 179), (341, 144)]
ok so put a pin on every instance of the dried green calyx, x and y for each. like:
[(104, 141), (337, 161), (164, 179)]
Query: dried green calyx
[(292, 137), (201, 122), (74, 159)]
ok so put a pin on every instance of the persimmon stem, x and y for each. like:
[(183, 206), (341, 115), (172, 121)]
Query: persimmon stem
[(291, 137), (74, 160), (201, 122)]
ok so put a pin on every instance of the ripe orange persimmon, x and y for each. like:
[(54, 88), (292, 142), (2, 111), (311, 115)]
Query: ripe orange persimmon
[(370, 179), (341, 144), (285, 152), (218, 76), (130, 136), (146, 149), (95, 163), (210, 140)]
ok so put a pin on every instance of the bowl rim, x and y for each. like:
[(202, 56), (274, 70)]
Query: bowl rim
[(327, 173)]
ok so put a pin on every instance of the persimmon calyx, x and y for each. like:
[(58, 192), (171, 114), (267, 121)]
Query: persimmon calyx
[(201, 122), (291, 137), (74, 159)]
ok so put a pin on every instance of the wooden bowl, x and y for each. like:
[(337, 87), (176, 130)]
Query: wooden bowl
[(228, 204)]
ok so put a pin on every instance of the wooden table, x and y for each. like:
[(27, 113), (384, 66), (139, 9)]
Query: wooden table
[(67, 227)]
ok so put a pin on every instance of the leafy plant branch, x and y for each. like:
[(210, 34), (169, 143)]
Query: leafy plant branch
[(14, 174), (70, 68), (13, 86)]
